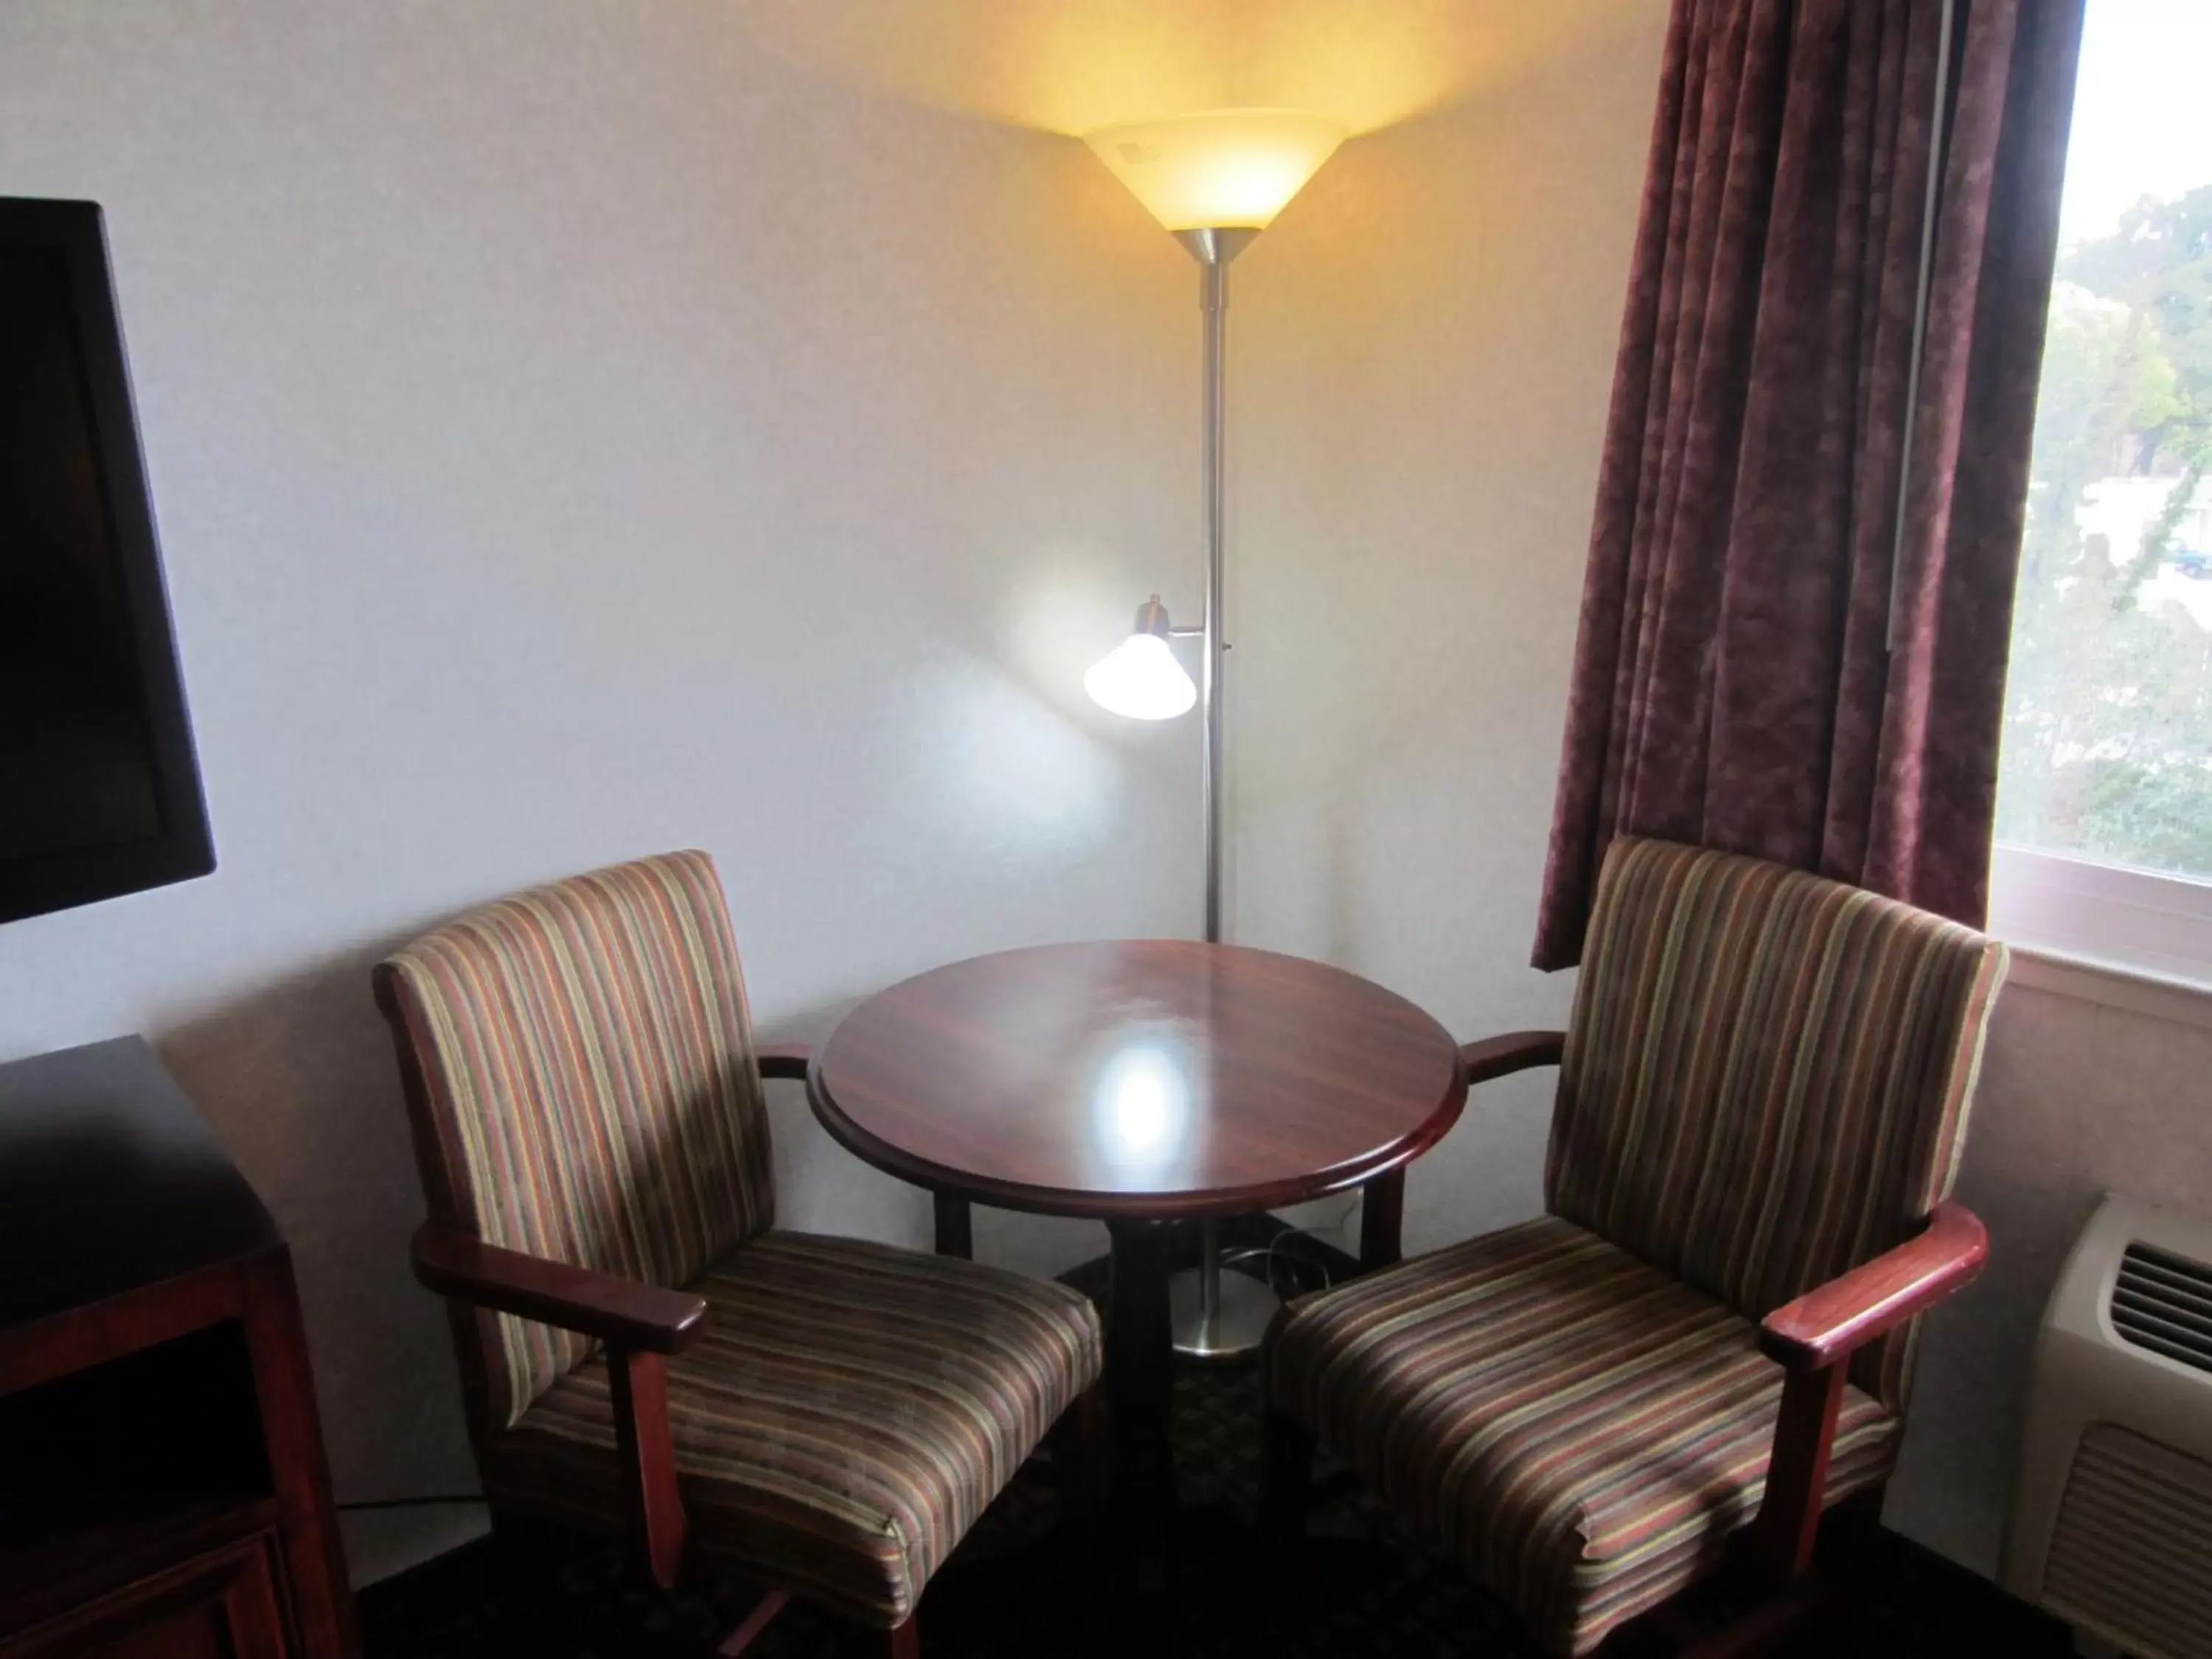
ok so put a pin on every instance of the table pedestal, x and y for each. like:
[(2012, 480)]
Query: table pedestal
[(1140, 1381), (1040, 1080), (1140, 1356)]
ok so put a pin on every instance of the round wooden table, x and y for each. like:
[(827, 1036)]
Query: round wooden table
[(1140, 1082)]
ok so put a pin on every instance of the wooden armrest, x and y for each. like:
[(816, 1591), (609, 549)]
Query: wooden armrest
[(640, 1324), (620, 1312), (1814, 1337), (783, 1060), (1825, 1325), (1515, 1051)]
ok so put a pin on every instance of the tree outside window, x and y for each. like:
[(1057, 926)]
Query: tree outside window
[(2108, 731)]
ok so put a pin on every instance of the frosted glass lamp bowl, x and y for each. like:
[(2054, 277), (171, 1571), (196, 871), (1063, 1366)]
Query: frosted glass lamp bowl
[(1141, 680), (1224, 169)]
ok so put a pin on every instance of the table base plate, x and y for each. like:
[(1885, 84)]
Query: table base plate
[(1239, 1321)]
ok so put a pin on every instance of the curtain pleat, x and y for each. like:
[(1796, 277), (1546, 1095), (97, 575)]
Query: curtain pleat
[(1733, 683)]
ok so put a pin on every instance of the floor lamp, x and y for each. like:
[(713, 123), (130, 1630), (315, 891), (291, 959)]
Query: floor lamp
[(1215, 181)]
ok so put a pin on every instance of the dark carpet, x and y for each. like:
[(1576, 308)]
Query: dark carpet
[(1369, 1594)]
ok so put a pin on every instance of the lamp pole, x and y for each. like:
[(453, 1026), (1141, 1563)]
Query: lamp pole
[(1213, 250), (1204, 1336), (1193, 173)]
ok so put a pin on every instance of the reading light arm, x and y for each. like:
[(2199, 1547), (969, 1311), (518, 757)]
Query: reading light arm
[(1152, 618)]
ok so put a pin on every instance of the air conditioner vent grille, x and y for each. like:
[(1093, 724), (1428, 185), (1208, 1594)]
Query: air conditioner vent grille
[(2131, 1554), (2163, 1302)]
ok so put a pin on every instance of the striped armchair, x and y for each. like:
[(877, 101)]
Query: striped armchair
[(641, 1348), (1707, 1339)]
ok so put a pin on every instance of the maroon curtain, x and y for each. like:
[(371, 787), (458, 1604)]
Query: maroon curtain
[(1748, 676)]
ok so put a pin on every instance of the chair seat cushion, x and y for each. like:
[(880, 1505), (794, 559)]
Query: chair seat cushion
[(1579, 1429), (845, 1414)]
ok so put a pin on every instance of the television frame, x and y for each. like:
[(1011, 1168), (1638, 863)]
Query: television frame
[(183, 848)]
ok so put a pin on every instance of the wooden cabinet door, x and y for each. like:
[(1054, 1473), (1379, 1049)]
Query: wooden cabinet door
[(222, 1605)]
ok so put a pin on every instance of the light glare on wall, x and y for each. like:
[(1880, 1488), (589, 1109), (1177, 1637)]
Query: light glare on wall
[(1224, 169)]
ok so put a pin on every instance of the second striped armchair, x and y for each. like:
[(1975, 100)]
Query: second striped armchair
[(1707, 1341)]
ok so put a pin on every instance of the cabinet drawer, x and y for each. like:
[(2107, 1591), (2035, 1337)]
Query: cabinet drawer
[(223, 1605)]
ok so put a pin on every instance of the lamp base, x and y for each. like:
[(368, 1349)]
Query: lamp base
[(1238, 1319)]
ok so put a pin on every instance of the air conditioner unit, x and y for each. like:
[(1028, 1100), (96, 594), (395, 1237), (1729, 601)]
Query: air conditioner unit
[(2111, 1520)]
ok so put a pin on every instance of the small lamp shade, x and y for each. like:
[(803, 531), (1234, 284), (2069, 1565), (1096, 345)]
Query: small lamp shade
[(1140, 679), (1225, 169)]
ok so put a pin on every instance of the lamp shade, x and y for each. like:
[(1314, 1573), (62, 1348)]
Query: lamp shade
[(1224, 169), (1141, 680)]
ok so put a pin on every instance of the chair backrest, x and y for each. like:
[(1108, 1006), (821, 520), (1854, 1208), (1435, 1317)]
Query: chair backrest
[(582, 1085), (1767, 1076)]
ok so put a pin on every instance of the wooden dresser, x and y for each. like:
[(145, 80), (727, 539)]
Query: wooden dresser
[(162, 1485)]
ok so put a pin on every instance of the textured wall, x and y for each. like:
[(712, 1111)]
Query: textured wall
[(1422, 352), (2081, 1095), (579, 429), (574, 433)]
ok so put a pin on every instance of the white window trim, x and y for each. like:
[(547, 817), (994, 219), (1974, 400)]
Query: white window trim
[(2130, 938)]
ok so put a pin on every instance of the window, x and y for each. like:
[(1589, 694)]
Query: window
[(2104, 793)]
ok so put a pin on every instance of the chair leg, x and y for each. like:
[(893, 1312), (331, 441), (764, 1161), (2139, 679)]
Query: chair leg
[(526, 1562), (1285, 1490), (1855, 1523), (747, 1630), (1082, 1458), (1759, 1616), (956, 1231), (899, 1642)]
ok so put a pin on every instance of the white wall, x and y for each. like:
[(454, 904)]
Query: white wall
[(1422, 354), (574, 433), (577, 431), (2091, 1083)]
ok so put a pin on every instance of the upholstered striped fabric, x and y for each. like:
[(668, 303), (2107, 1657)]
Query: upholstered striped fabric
[(1580, 1429), (845, 1416), (1767, 1076), (588, 1061)]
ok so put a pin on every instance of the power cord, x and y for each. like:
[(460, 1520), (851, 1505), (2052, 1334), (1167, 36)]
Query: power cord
[(1334, 1224)]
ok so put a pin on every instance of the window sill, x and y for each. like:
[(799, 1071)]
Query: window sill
[(2110, 986), (2126, 937)]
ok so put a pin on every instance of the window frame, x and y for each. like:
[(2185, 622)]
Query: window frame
[(2089, 927), (2149, 924)]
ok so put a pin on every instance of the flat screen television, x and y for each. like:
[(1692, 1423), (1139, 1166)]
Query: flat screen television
[(99, 792)]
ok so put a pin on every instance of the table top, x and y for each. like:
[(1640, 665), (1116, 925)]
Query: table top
[(109, 1181), (1147, 1077)]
